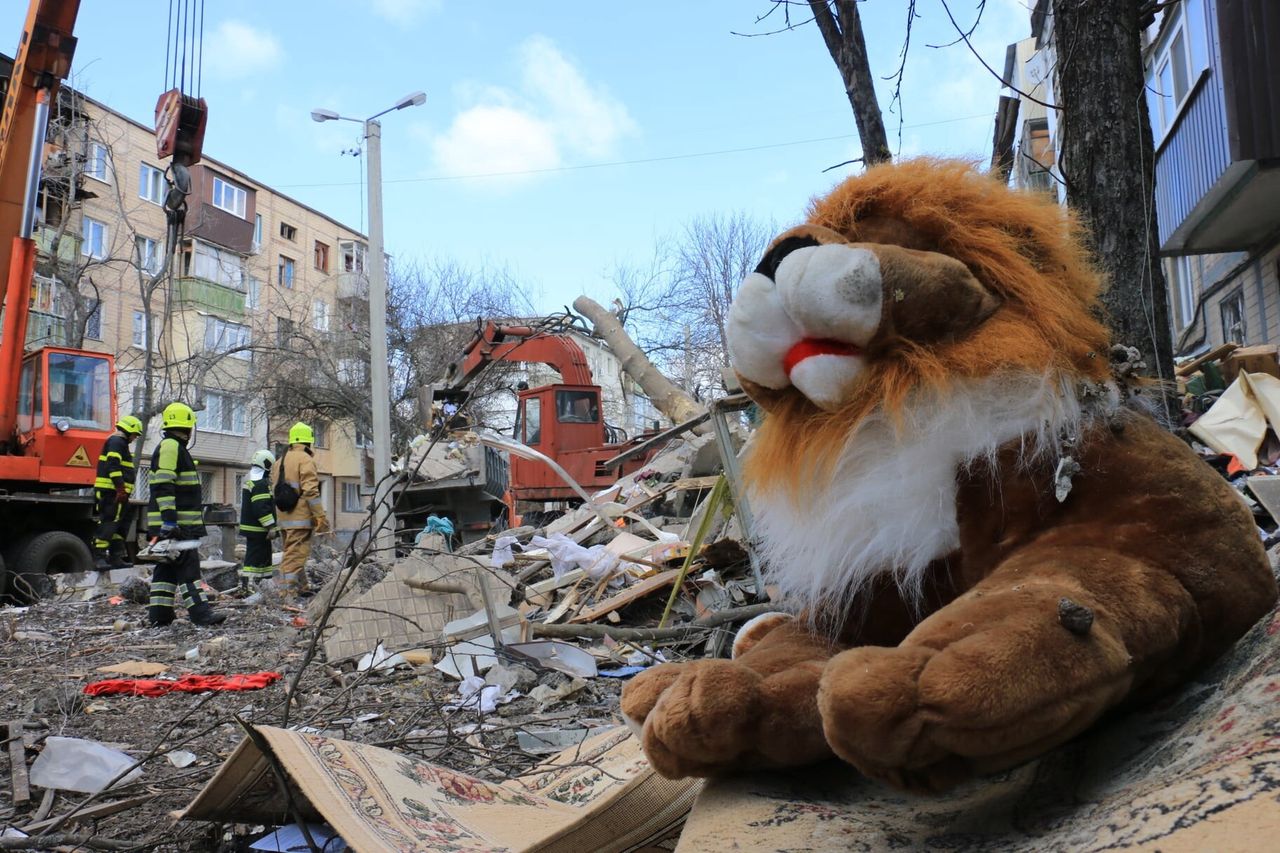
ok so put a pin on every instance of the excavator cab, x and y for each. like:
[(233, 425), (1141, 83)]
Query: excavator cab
[(565, 423), (65, 411)]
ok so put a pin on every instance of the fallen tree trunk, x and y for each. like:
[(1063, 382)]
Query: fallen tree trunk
[(668, 397)]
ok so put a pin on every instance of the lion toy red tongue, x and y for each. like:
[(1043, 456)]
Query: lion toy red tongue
[(822, 369)]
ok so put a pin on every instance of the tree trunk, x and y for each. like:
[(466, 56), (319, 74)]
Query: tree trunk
[(1108, 163), (842, 31), (662, 392)]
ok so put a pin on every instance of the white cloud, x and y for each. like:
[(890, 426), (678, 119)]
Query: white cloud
[(553, 116), (404, 12), (236, 49)]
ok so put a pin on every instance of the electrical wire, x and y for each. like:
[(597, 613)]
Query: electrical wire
[(614, 163)]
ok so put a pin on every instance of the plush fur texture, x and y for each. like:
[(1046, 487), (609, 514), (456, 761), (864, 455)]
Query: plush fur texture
[(957, 611)]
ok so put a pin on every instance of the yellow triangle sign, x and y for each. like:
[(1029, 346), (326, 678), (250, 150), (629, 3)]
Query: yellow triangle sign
[(79, 459)]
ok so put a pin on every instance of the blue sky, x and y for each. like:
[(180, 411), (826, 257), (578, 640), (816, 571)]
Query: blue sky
[(550, 90)]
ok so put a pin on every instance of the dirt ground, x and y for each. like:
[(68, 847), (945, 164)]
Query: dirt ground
[(49, 652)]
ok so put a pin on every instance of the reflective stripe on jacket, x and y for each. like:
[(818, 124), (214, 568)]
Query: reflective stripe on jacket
[(257, 511), (298, 468), (115, 465), (176, 496)]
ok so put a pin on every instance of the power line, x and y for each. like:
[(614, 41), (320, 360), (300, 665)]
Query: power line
[(614, 163)]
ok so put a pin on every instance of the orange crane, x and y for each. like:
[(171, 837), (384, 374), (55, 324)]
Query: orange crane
[(57, 404), (564, 421)]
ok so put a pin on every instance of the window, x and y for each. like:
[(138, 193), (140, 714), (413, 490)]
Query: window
[(1177, 62), (577, 407), (353, 256), (150, 259), (239, 483), (286, 272), (353, 371), (44, 294), (140, 398), (94, 234), (206, 488), (80, 390), (253, 293), (151, 184), (284, 331), (97, 162), (363, 439), (229, 197), (320, 315), (532, 421), (1232, 309), (257, 231), (288, 232), (142, 484), (321, 431), (222, 413), (322, 256), (217, 265), (93, 325), (141, 327), (221, 336), (351, 497), (1183, 289)]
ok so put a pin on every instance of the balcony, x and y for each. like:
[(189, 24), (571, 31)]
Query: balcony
[(215, 225), (45, 330), (203, 294), (68, 246), (1217, 169), (353, 285)]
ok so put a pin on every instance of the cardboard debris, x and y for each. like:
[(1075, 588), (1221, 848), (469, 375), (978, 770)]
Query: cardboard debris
[(600, 796), (401, 617), (630, 595), (135, 668), (1237, 423)]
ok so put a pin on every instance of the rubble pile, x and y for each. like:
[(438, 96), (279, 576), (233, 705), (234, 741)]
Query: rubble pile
[(489, 658)]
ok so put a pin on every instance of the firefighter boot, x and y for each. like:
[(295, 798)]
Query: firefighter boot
[(101, 561), (198, 610)]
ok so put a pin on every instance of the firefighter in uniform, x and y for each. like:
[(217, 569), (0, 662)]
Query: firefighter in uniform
[(307, 517), (257, 521), (176, 511), (111, 491)]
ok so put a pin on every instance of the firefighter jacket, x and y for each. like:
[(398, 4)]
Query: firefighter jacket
[(115, 465), (257, 512), (298, 469), (176, 497)]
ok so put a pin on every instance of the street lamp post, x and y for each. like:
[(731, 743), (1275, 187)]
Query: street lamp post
[(383, 531)]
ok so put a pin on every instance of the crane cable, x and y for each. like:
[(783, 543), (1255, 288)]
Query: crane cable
[(185, 35)]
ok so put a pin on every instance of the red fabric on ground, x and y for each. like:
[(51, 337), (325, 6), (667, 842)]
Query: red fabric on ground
[(185, 684)]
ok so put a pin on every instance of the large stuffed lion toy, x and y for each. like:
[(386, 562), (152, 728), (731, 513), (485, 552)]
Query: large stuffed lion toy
[(984, 544)]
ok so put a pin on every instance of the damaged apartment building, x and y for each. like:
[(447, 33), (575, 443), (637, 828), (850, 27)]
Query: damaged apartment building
[(258, 282), (1211, 67)]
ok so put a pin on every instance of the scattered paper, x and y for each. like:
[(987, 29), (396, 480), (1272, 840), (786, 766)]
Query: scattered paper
[(380, 659), (180, 758)]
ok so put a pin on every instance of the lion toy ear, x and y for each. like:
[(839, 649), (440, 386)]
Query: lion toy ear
[(819, 307)]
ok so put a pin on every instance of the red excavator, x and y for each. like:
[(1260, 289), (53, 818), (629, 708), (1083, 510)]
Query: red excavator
[(57, 404), (563, 421)]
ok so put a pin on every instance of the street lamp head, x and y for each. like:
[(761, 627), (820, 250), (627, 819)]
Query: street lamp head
[(411, 100), (324, 115)]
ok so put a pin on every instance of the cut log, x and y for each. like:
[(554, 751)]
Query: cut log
[(673, 402)]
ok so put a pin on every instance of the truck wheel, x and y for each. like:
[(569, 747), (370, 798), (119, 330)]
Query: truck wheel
[(52, 552)]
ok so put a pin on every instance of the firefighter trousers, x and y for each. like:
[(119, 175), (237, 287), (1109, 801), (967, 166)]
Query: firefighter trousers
[(257, 557), (115, 520), (182, 576), (293, 566)]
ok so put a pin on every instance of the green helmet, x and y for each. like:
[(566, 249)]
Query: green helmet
[(129, 424), (300, 433), (178, 416), (263, 459)]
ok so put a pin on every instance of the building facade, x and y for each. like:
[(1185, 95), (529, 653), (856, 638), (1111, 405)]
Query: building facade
[(260, 289), (1214, 104)]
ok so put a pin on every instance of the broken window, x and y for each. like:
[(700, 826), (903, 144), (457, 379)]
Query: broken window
[(1232, 310), (322, 256), (288, 232)]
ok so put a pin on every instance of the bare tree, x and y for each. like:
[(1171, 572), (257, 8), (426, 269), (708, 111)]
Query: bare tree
[(676, 309)]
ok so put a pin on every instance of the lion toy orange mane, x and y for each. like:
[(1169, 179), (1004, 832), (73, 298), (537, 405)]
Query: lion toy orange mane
[(980, 546)]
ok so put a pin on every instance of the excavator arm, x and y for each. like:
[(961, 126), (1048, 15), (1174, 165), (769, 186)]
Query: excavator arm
[(522, 344)]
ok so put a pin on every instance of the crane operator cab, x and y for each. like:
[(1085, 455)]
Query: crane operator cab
[(65, 411)]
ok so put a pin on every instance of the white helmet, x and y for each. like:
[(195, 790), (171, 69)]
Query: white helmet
[(263, 459)]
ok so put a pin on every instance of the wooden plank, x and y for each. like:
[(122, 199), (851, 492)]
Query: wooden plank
[(695, 483), (665, 435), (627, 596), (90, 812), (1213, 355), (18, 764)]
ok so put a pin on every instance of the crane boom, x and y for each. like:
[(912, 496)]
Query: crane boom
[(499, 342), (43, 61)]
